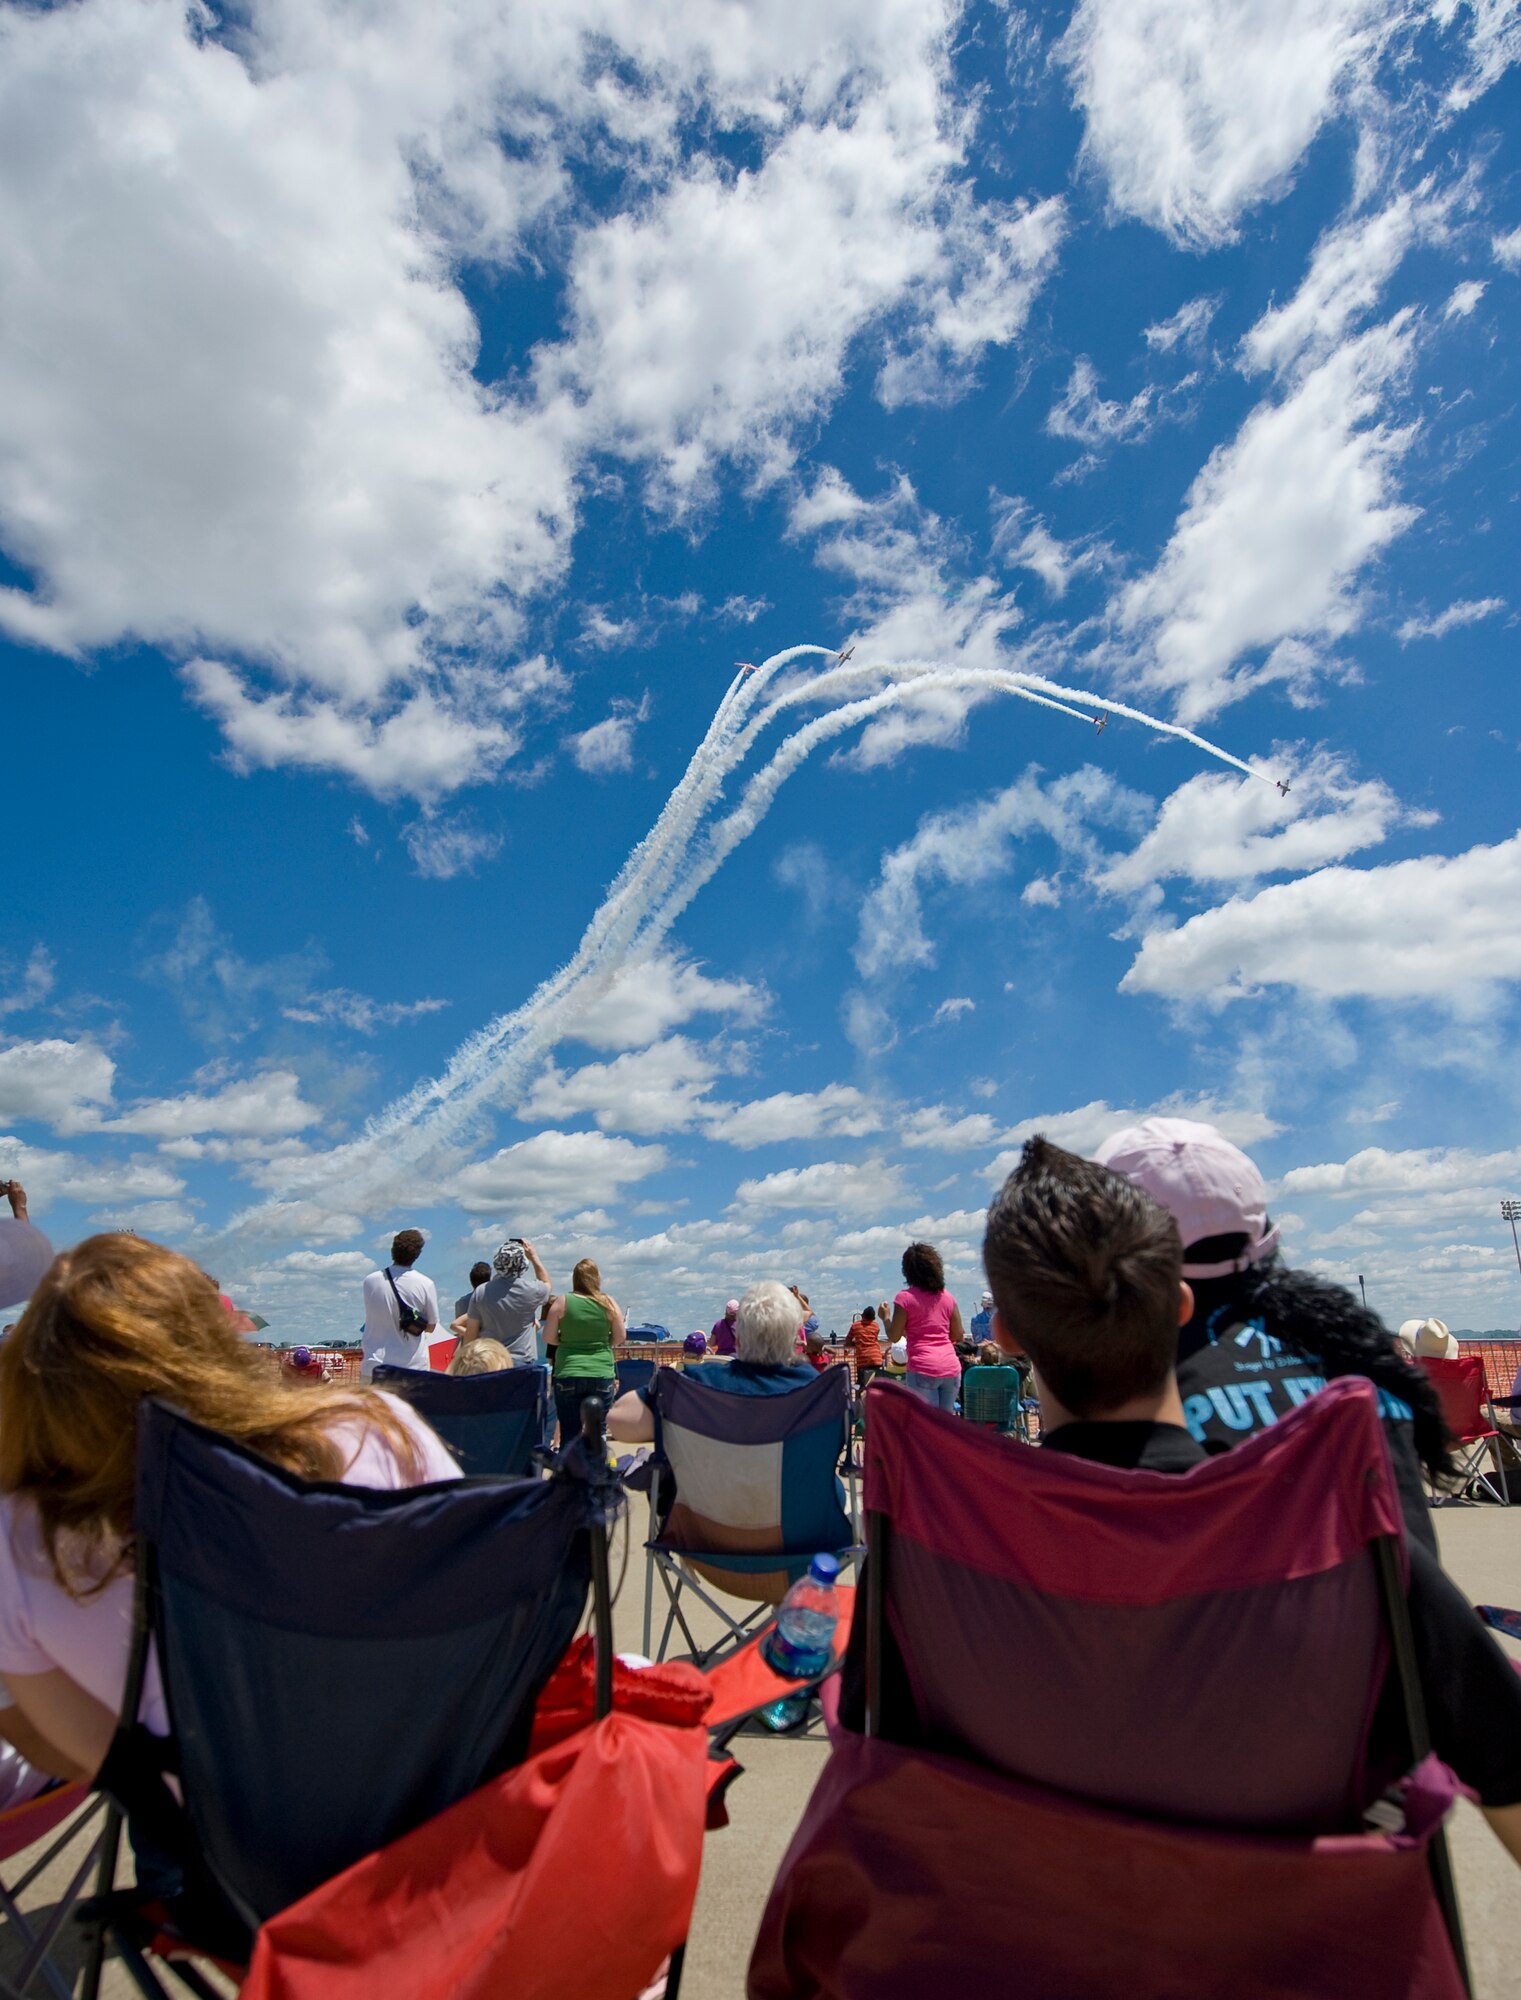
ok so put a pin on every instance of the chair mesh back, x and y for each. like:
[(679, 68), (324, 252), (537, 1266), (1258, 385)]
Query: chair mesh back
[(990, 1395), (342, 1664), (1206, 1647), (755, 1477), (1462, 1391), (490, 1422)]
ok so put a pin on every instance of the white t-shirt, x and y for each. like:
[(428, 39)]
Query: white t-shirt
[(383, 1337), (43, 1626)]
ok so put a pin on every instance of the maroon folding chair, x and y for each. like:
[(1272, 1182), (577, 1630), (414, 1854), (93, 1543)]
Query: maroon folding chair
[(1133, 1708), (65, 1811), (1469, 1413)]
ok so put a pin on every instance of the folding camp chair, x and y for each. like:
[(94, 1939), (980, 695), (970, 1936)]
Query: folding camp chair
[(1469, 1415), (339, 1665), (492, 1423), (634, 1374), (990, 1397), (744, 1493), (1145, 1699), (71, 1809)]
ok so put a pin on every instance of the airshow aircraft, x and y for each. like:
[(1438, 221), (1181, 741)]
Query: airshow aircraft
[(1101, 723), (745, 666), (841, 658), (1283, 785)]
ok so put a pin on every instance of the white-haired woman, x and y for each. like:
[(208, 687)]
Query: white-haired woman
[(506, 1307), (765, 1334)]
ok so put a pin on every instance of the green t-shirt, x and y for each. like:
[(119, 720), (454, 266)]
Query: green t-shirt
[(585, 1346)]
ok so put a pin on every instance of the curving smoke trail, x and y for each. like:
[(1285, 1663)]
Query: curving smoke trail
[(422, 1132)]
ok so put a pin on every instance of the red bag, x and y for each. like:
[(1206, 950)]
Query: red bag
[(574, 1873)]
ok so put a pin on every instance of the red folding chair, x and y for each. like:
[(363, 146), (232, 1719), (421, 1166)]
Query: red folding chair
[(1469, 1413), (69, 1808), (1139, 1704)]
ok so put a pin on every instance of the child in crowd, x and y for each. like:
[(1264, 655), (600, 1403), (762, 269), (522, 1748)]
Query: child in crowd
[(1086, 1270), (479, 1357), (817, 1349)]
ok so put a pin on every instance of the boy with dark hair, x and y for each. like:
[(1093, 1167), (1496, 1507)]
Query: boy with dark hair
[(1086, 1271)]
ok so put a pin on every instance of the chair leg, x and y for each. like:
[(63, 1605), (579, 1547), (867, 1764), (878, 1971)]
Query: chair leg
[(105, 1882), (649, 1600), (37, 1959)]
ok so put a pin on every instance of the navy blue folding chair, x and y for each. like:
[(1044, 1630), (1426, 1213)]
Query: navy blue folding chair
[(492, 1423), (339, 1665), (635, 1374), (744, 1492)]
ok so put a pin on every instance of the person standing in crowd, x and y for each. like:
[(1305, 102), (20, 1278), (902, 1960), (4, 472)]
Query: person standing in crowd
[(721, 1339), (582, 1331), (929, 1320), (400, 1309), (506, 1307), (115, 1321), (982, 1321), (863, 1344), (479, 1275), (1261, 1337)]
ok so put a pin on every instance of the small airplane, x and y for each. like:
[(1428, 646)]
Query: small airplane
[(841, 658), (745, 666), (1283, 785), (1101, 723)]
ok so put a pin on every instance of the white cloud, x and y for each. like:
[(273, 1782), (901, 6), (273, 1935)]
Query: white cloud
[(953, 1009), (1275, 528), (1420, 1170), (1197, 110), (1464, 298), (343, 1265), (833, 1187), (659, 993), (1188, 327), (358, 1011), (442, 848), (165, 1220), (554, 1173), (1350, 266), (1467, 611), (663, 1088), (1438, 928), (1084, 417), (265, 1106), (51, 1176), (1506, 249), (35, 985), (839, 1110), (1084, 1129), (608, 746), (939, 1129), (1022, 540), (351, 521), (977, 844), (1215, 828), (57, 1083)]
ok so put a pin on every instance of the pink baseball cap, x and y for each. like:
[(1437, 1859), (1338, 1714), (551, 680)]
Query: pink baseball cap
[(1207, 1185)]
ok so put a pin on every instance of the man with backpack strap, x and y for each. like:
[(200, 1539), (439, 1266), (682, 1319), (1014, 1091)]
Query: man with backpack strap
[(400, 1309)]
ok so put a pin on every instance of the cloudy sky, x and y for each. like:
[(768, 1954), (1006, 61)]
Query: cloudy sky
[(408, 418)]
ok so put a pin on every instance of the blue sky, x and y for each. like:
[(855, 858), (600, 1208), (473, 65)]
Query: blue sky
[(404, 429)]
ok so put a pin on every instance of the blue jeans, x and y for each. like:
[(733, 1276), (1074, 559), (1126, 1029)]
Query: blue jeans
[(941, 1390)]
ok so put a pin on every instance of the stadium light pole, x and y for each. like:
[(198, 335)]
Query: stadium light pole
[(1511, 1210)]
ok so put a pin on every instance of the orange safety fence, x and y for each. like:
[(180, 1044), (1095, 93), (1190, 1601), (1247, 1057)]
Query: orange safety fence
[(1501, 1358)]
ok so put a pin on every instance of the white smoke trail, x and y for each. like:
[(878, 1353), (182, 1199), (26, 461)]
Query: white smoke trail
[(420, 1134)]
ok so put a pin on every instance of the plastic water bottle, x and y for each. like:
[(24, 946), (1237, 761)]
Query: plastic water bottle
[(800, 1644)]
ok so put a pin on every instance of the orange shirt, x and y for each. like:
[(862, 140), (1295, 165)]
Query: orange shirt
[(864, 1340)]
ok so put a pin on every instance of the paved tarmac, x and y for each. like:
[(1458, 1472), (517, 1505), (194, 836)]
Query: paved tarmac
[(1482, 1549)]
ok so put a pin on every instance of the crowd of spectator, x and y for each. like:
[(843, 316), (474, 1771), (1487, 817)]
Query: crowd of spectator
[(1144, 1293)]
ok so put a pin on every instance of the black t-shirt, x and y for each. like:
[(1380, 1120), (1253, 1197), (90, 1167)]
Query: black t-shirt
[(1473, 1694), (1239, 1380)]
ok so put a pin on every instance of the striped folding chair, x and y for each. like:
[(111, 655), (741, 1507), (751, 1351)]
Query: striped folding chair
[(63, 1810), (744, 1492)]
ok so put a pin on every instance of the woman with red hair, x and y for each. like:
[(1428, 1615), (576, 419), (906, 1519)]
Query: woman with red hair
[(115, 1321)]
